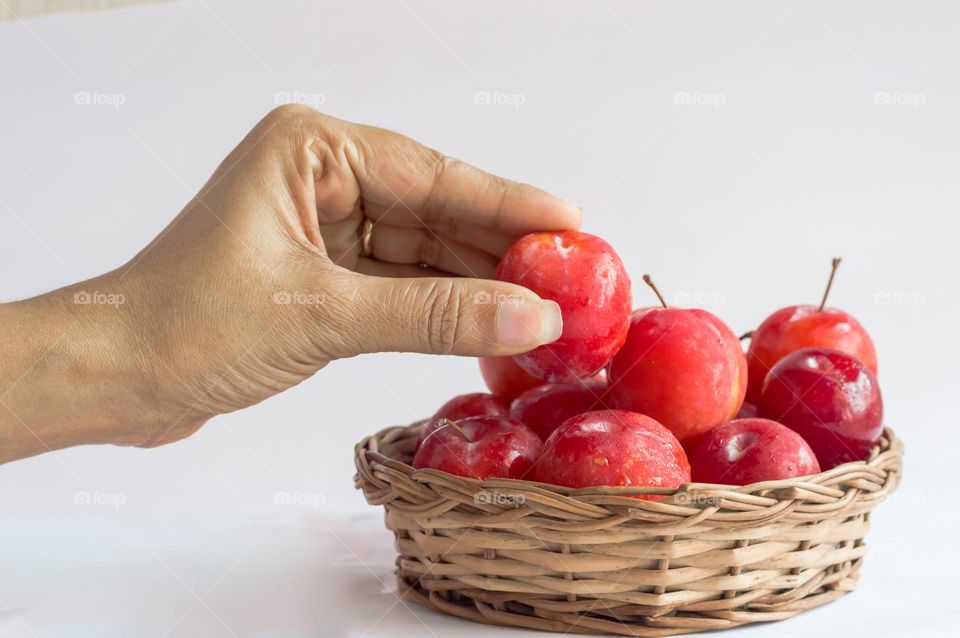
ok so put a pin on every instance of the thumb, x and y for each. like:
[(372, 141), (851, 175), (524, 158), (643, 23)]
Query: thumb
[(441, 315)]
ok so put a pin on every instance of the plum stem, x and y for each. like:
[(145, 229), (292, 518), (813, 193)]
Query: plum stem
[(649, 281), (833, 271), (443, 423)]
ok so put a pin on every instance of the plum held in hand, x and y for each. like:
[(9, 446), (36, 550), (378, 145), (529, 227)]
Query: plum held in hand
[(828, 397), (480, 447), (748, 451), (505, 378), (463, 406), (683, 367), (544, 408), (586, 278), (796, 327), (613, 447)]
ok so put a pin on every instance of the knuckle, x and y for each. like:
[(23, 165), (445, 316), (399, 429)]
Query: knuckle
[(289, 112), (501, 189), (332, 325), (431, 250), (443, 316), (291, 121), (436, 199)]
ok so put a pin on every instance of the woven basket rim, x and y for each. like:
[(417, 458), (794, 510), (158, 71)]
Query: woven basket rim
[(822, 482)]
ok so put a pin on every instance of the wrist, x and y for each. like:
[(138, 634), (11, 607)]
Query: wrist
[(73, 376)]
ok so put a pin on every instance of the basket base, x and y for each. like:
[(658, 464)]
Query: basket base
[(594, 618)]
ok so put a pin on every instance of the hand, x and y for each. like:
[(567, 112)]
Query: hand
[(264, 278)]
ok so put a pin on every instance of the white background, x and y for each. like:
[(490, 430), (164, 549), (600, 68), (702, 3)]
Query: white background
[(786, 155)]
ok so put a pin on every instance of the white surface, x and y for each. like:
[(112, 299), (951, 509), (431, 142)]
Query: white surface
[(738, 207)]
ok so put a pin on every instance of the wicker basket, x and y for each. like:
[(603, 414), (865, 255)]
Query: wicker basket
[(704, 557)]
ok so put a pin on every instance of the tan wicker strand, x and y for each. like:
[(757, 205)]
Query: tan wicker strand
[(600, 561)]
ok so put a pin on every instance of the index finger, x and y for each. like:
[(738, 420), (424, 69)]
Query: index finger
[(416, 185)]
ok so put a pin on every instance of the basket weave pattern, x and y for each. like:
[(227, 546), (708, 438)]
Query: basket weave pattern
[(595, 561)]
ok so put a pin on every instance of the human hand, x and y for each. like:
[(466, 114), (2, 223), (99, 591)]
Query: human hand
[(267, 274)]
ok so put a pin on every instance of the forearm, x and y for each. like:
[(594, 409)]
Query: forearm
[(67, 374)]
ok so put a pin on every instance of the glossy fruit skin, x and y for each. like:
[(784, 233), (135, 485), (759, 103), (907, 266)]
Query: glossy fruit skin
[(746, 451), (543, 409), (796, 327), (829, 398), (494, 447), (682, 367), (612, 447), (584, 275), (505, 378), (463, 406)]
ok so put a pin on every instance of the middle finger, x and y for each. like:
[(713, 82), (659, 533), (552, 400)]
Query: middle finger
[(422, 246)]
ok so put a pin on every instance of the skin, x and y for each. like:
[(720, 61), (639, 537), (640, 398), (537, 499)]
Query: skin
[(682, 367), (828, 397), (481, 447), (505, 378), (751, 450), (612, 447), (463, 406), (259, 282), (584, 275), (546, 407), (795, 327)]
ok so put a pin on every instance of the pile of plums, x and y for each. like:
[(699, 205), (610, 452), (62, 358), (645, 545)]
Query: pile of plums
[(657, 396)]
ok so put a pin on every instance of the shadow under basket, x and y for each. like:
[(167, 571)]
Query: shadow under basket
[(703, 557)]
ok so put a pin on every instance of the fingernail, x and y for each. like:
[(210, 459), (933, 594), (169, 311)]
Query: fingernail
[(551, 326), (528, 322)]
